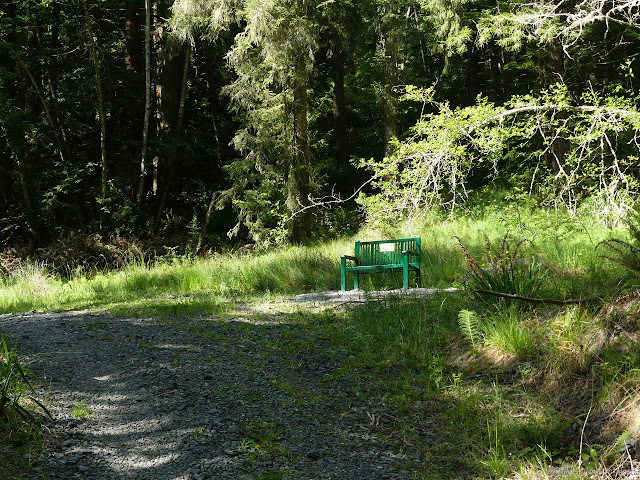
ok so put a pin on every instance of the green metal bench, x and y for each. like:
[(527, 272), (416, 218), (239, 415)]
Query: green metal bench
[(381, 256)]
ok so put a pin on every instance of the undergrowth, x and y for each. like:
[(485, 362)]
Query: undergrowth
[(20, 407)]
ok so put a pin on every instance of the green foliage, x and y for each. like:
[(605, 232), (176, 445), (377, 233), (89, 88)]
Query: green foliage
[(81, 411), (505, 271), (430, 168), (469, 324), (433, 166), (626, 252), (16, 388)]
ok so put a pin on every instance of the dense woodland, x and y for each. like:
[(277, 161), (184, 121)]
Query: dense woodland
[(211, 120)]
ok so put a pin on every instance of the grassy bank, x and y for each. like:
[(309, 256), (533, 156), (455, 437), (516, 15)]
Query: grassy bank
[(547, 393), (566, 245)]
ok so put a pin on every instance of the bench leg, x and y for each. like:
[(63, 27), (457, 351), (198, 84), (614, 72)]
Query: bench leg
[(405, 272), (343, 274), (356, 281), (418, 279)]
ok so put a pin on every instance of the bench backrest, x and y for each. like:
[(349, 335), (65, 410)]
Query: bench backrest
[(385, 252)]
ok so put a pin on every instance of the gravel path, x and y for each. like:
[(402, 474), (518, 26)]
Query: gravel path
[(197, 400)]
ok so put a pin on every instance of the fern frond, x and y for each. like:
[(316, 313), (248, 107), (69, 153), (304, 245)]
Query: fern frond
[(623, 253), (469, 323), (487, 243), (470, 261)]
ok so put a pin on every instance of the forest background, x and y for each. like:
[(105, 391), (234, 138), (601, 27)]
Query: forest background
[(195, 123)]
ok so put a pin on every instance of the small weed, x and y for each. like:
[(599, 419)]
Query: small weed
[(95, 326), (81, 411), (264, 439), (198, 432), (16, 387)]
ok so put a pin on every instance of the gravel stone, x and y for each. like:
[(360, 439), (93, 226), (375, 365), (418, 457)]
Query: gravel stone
[(166, 403)]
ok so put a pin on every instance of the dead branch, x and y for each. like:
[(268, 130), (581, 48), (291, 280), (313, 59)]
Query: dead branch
[(547, 301)]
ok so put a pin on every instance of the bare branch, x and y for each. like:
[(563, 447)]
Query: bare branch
[(547, 301)]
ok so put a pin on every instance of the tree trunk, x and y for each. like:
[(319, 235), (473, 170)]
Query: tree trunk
[(553, 71), (389, 55), (55, 45), (423, 55), (211, 77), (340, 137), (159, 122), (147, 103), (54, 116), (15, 135), (214, 195), (391, 124), (177, 121), (101, 111), (298, 181), (13, 128), (45, 106), (133, 61)]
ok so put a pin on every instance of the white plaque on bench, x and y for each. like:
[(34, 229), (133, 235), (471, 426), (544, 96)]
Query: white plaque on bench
[(387, 247)]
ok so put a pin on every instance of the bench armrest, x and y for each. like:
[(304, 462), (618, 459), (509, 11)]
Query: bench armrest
[(349, 257), (411, 253)]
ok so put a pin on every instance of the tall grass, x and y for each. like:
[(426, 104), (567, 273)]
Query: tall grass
[(567, 245), (291, 270)]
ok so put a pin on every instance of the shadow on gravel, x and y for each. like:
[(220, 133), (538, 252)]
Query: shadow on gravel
[(137, 399)]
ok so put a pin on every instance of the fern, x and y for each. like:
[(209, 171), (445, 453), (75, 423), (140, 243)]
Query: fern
[(622, 252), (469, 323)]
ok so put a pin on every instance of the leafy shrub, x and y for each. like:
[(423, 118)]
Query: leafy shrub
[(504, 272)]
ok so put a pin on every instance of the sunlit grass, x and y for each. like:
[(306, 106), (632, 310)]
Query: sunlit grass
[(179, 285), (566, 245)]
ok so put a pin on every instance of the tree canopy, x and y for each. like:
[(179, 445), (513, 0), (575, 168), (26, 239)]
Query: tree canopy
[(234, 119)]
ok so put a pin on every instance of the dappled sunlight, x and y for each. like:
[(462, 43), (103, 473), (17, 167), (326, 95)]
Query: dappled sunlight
[(157, 400)]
